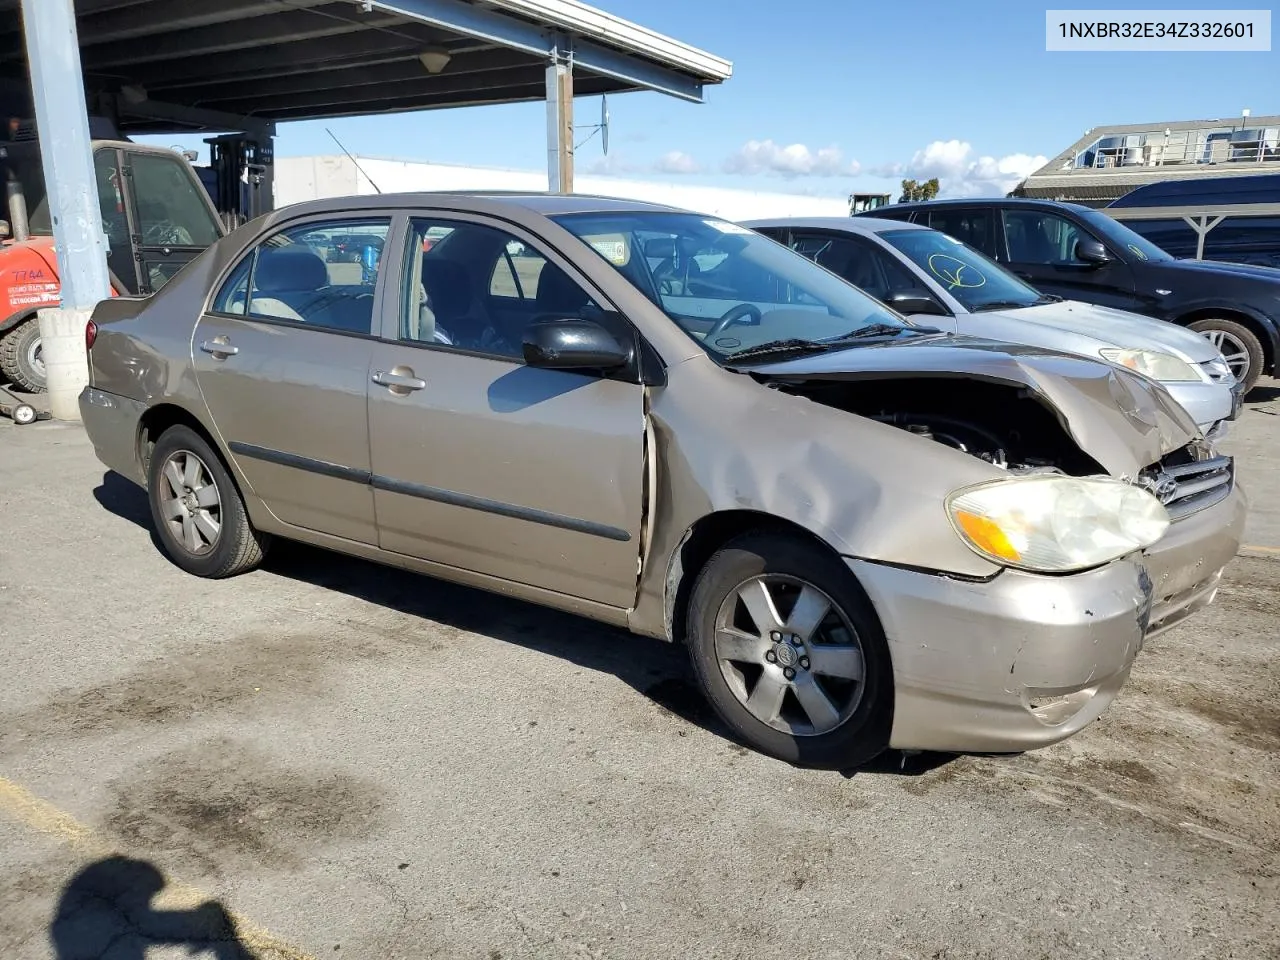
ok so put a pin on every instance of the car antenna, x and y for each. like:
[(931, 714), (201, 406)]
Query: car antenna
[(353, 160)]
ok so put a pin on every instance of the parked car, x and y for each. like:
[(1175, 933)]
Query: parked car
[(869, 534), (1082, 254), (931, 275)]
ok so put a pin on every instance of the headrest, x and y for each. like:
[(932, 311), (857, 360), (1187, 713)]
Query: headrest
[(448, 285), (289, 268), (557, 292)]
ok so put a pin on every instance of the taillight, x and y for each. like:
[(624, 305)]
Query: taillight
[(90, 334)]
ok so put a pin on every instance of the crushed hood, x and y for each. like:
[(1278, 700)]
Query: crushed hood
[(1124, 421)]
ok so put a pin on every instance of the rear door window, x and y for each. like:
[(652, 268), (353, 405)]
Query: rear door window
[(968, 225)]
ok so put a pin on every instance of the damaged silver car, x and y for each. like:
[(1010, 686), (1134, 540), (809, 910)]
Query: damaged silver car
[(867, 532)]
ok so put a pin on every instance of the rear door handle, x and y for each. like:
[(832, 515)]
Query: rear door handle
[(219, 348), (404, 380)]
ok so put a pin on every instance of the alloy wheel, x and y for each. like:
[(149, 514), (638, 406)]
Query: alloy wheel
[(1232, 349), (789, 655), (190, 502)]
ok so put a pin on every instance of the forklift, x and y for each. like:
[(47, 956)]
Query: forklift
[(159, 211)]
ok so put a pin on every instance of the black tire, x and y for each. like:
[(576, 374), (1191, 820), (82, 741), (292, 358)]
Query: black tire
[(17, 350), (864, 733), (237, 547), (1245, 337)]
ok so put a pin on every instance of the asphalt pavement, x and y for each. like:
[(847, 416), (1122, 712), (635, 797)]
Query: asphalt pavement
[(326, 758)]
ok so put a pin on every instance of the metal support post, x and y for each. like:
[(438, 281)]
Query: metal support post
[(57, 88), (560, 120)]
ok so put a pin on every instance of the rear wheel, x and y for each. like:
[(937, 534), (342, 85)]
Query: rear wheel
[(789, 651), (21, 359), (1239, 346), (197, 509)]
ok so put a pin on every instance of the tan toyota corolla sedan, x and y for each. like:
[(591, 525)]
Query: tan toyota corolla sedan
[(868, 533)]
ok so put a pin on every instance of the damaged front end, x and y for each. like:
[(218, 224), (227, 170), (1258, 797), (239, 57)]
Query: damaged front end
[(1030, 413), (912, 461)]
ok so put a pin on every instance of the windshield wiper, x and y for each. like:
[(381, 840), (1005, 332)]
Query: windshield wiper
[(1005, 305), (1050, 298), (775, 348), (876, 330)]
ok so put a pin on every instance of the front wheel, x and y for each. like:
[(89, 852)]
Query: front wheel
[(21, 357), (790, 653), (197, 509), (1238, 345)]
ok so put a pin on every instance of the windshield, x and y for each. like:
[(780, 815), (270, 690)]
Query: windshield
[(1121, 237), (731, 289), (972, 278)]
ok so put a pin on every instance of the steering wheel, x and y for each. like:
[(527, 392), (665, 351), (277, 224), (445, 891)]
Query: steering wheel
[(734, 315)]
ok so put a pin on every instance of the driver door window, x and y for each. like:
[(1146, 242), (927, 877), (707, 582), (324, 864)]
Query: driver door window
[(473, 287)]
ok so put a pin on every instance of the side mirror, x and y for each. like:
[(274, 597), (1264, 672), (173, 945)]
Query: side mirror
[(918, 302), (572, 345), (1092, 251)]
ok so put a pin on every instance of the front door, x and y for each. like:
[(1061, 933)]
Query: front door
[(482, 463), (282, 361), (1041, 248)]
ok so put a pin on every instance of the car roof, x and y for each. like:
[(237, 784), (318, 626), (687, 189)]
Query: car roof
[(846, 224), (546, 204), (987, 201)]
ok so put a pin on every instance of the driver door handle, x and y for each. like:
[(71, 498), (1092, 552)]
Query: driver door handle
[(219, 348), (398, 381)]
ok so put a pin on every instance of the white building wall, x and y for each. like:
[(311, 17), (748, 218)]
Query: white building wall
[(309, 178)]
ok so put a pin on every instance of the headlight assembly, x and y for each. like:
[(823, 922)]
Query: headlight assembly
[(1056, 524), (1164, 367)]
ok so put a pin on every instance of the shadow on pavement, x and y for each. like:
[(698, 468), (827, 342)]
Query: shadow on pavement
[(654, 668), (106, 910)]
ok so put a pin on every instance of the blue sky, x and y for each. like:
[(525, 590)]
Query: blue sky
[(872, 84)]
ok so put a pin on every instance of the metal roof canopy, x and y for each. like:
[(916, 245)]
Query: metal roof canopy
[(174, 66), (242, 66)]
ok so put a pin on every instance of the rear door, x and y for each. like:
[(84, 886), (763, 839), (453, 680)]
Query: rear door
[(1039, 246), (282, 361), (482, 463)]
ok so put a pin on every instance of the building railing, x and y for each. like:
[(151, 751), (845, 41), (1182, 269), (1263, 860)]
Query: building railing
[(1168, 148)]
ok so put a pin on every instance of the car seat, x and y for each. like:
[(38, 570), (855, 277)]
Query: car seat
[(287, 281), (558, 297), (451, 298)]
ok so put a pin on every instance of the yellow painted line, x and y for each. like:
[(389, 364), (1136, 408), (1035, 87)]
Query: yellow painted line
[(1250, 548), (26, 808)]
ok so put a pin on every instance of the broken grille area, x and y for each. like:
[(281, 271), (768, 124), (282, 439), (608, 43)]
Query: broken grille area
[(1189, 487)]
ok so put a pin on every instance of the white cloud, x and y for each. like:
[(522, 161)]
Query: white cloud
[(796, 160), (960, 174), (677, 162), (612, 165)]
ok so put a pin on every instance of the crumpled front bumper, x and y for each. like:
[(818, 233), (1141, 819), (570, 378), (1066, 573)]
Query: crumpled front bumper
[(1022, 661)]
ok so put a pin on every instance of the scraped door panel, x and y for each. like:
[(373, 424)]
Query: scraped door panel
[(531, 475)]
